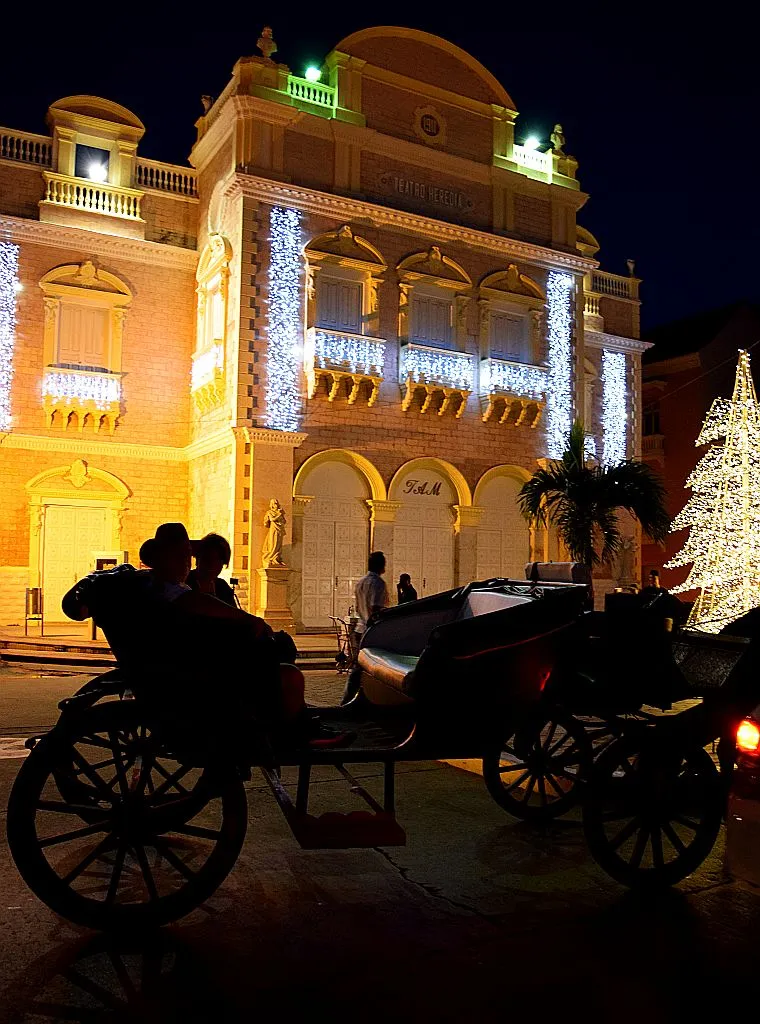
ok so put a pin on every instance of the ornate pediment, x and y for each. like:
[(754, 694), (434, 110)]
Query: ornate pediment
[(512, 282), (344, 247), (86, 276), (435, 265)]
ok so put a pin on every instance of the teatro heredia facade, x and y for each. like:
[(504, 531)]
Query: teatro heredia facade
[(386, 316)]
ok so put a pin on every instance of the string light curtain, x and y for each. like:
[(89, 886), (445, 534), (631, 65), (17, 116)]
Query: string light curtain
[(614, 405), (560, 293), (723, 512), (9, 254), (283, 399)]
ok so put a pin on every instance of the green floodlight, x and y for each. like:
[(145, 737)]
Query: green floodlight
[(312, 73)]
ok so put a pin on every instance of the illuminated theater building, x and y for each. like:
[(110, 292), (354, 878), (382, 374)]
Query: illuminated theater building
[(362, 297)]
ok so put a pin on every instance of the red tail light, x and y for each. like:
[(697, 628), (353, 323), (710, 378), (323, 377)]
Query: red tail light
[(748, 737)]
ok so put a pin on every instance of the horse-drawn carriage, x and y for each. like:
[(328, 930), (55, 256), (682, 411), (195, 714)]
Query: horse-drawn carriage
[(126, 814)]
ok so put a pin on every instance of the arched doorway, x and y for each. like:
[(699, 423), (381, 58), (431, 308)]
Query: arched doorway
[(503, 535), (335, 486), (423, 537), (75, 515)]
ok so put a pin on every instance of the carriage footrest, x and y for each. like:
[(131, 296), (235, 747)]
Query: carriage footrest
[(337, 831)]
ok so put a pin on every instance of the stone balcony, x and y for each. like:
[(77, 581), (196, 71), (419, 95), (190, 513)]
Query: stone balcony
[(515, 392), (79, 399), (207, 377), (653, 447), (73, 201), (312, 93), (445, 378), (349, 364)]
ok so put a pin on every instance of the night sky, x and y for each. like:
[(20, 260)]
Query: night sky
[(663, 121)]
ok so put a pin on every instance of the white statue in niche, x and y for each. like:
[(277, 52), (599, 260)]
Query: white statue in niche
[(274, 524)]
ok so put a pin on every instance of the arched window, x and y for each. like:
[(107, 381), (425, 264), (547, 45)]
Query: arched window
[(212, 277)]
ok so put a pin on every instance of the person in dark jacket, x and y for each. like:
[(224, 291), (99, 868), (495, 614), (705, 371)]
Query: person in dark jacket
[(404, 589), (212, 554)]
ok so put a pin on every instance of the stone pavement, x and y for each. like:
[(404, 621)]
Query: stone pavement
[(478, 919)]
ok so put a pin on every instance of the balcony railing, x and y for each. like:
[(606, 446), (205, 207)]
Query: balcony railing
[(436, 372), (533, 159), (343, 358), (614, 284), (26, 148), (519, 379), (311, 92), (207, 377), (516, 392), (342, 351), (423, 364), (94, 197), (177, 181), (653, 445), (85, 393)]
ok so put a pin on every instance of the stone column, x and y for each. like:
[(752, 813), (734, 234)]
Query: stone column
[(300, 503), (271, 476), (382, 518), (466, 543)]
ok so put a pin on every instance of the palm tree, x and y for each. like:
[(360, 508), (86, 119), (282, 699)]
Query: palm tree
[(582, 501)]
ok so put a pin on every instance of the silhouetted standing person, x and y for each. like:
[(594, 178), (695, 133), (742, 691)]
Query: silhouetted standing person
[(370, 597), (404, 589)]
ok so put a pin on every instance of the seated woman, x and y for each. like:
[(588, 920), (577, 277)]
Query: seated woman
[(212, 554), (204, 649)]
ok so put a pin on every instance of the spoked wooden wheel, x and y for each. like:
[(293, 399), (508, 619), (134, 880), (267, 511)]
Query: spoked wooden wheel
[(538, 770), (652, 815), (111, 830)]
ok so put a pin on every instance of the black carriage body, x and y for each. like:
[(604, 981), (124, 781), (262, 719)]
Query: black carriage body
[(459, 665)]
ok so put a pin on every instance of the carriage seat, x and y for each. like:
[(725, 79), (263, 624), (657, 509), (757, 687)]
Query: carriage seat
[(397, 641)]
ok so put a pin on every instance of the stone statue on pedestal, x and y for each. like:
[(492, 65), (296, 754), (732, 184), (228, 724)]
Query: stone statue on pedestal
[(274, 524)]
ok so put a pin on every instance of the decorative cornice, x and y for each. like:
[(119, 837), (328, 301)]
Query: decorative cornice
[(156, 254), (383, 511), (259, 435), (346, 209), (676, 364), (77, 446), (223, 438), (301, 502), (614, 343), (467, 515)]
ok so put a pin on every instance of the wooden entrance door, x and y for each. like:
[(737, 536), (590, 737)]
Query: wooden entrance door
[(71, 535)]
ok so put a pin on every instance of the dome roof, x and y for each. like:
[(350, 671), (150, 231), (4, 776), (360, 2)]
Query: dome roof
[(585, 241), (427, 58)]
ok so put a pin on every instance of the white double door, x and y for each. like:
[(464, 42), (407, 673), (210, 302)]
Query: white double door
[(335, 547), (503, 534), (423, 546), (72, 534)]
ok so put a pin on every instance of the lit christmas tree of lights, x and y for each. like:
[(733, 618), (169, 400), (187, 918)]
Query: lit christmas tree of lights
[(723, 512)]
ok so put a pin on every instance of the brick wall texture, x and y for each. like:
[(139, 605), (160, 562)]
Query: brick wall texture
[(221, 488)]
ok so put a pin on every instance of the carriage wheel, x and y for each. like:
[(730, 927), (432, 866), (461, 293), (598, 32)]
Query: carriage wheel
[(537, 772), (652, 816), (110, 830)]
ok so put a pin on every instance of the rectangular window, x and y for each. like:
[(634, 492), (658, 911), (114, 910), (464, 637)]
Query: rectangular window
[(432, 321), (508, 337), (83, 336), (651, 422), (92, 163), (339, 305)]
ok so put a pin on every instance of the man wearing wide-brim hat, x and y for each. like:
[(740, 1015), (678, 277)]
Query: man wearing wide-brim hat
[(191, 645)]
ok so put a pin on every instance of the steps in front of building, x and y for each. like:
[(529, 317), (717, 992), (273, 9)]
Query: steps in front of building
[(96, 654)]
